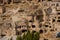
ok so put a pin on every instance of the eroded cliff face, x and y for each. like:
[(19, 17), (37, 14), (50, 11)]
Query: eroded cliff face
[(16, 17)]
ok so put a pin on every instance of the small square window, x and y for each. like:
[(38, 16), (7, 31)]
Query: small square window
[(24, 30), (57, 4), (39, 0), (41, 31), (21, 10), (58, 20), (2, 35), (33, 26), (52, 30), (49, 26), (58, 17), (30, 21), (53, 20), (46, 25)]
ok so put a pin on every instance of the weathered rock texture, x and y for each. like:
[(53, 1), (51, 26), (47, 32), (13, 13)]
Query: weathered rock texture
[(17, 16)]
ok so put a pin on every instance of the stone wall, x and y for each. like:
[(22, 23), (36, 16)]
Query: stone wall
[(18, 17)]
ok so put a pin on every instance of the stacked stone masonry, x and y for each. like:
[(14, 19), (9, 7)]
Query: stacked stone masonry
[(17, 16)]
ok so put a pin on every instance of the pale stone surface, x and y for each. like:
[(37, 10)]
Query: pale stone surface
[(40, 16)]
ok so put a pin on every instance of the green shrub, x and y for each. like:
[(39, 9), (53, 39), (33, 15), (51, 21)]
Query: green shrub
[(19, 38), (29, 36)]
